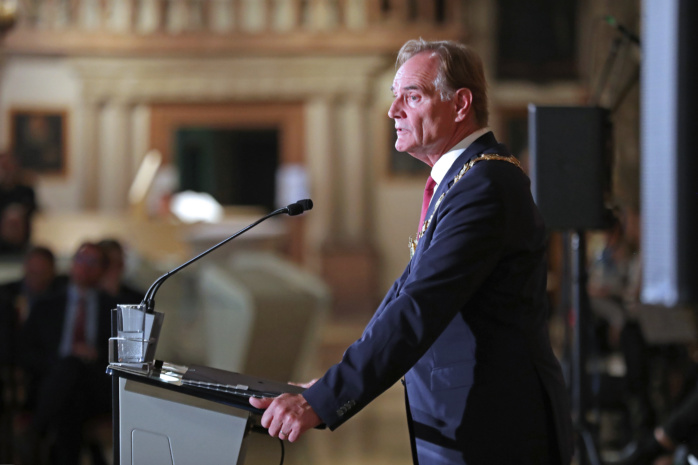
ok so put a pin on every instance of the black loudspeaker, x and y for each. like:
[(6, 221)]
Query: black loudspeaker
[(570, 154)]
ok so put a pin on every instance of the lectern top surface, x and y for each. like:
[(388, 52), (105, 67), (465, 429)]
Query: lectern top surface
[(205, 382), (213, 378)]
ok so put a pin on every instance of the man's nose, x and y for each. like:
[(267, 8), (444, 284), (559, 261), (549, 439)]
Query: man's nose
[(395, 111)]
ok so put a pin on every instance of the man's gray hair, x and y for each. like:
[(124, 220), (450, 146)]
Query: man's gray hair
[(460, 67)]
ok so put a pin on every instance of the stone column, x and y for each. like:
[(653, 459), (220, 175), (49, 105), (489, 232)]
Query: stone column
[(91, 129), (320, 158), (352, 164), (115, 169), (348, 262)]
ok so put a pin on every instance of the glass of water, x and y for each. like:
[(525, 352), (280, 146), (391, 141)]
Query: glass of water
[(130, 343)]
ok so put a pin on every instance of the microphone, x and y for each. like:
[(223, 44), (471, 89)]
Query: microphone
[(293, 209), (299, 207), (622, 29)]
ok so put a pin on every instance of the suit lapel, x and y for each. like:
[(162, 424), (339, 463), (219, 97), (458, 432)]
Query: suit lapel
[(481, 144)]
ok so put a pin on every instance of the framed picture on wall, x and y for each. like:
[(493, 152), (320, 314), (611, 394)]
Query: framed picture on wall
[(38, 138)]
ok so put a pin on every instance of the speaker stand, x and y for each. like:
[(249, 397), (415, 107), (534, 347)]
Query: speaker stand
[(580, 321)]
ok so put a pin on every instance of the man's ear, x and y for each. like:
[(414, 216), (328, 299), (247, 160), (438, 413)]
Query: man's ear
[(463, 100)]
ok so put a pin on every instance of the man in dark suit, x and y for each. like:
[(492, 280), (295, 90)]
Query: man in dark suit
[(16, 298), (64, 354), (38, 281), (466, 323), (113, 277), (17, 206)]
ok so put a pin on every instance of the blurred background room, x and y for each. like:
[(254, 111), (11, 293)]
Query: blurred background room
[(165, 126)]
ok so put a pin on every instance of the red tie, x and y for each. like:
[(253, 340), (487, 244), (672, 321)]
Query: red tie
[(428, 193), (80, 322)]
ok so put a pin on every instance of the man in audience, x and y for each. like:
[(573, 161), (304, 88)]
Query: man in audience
[(17, 206), (113, 278), (64, 353), (16, 298), (681, 427), (38, 280)]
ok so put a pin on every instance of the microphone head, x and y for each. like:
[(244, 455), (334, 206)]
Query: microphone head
[(299, 207), (294, 209), (307, 204)]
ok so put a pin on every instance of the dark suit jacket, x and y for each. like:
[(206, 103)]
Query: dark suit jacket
[(10, 325), (466, 325), (42, 332)]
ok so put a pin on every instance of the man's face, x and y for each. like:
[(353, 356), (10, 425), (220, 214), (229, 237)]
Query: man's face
[(87, 267), (423, 122), (39, 273)]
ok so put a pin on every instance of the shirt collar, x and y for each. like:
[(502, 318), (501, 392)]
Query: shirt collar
[(443, 164), (74, 293)]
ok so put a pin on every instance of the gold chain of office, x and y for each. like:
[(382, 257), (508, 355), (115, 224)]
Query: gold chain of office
[(412, 243)]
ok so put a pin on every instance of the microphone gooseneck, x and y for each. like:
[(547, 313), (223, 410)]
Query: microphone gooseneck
[(292, 210)]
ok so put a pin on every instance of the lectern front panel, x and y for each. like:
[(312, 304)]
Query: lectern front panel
[(159, 426)]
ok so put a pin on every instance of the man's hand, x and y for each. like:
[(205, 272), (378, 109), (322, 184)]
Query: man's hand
[(287, 416)]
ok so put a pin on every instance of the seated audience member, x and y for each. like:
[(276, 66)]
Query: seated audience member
[(14, 234), (681, 427), (64, 353), (17, 206), (615, 276), (614, 289), (38, 280), (16, 298), (12, 189), (113, 279)]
